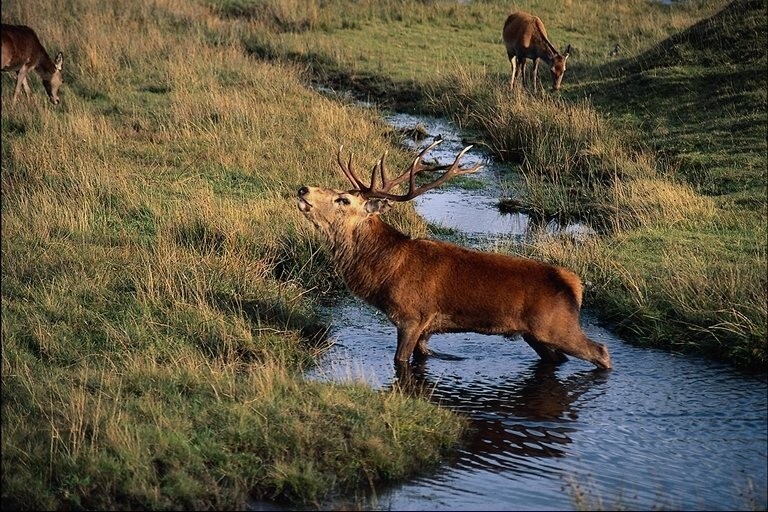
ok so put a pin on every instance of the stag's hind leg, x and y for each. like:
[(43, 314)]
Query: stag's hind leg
[(546, 353), (570, 339)]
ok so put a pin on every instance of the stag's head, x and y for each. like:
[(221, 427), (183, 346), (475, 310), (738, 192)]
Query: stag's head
[(557, 69), (337, 211), (52, 84)]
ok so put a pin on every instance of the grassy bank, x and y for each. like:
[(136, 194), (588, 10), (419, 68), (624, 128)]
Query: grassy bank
[(662, 148), (159, 286)]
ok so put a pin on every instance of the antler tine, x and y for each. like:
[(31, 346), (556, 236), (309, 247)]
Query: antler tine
[(376, 167), (348, 171), (388, 184), (453, 170), (417, 160), (385, 183)]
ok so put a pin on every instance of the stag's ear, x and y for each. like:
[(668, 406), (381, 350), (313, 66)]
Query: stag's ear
[(59, 61), (377, 206)]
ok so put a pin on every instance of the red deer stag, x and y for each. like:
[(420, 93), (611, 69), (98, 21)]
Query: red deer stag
[(22, 52), (526, 38), (428, 286)]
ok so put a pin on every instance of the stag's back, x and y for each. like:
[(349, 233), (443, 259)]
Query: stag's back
[(468, 277)]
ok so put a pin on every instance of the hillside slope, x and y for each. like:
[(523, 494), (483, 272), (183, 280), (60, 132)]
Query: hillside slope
[(700, 96)]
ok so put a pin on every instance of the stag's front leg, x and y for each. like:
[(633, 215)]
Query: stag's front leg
[(422, 350), (407, 338), (535, 74)]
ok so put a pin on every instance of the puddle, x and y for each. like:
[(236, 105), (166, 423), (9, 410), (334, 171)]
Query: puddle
[(474, 213)]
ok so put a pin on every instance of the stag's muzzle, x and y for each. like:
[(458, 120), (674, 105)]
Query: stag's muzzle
[(302, 203)]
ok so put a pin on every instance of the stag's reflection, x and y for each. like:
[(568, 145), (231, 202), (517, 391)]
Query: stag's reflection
[(531, 414)]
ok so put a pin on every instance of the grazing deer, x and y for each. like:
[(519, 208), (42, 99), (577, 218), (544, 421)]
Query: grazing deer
[(428, 286), (526, 38), (22, 52)]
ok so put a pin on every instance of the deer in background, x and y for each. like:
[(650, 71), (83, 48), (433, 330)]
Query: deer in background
[(22, 52), (428, 286), (526, 38)]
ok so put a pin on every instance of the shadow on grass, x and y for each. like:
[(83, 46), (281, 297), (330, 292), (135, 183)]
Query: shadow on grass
[(269, 312)]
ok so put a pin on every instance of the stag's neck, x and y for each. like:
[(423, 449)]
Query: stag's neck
[(369, 258)]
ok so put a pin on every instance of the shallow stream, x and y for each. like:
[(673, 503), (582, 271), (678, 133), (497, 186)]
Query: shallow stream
[(659, 431)]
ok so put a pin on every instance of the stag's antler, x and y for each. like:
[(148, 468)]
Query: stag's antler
[(410, 175)]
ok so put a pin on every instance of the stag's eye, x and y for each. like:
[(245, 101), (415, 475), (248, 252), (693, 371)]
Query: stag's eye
[(342, 200)]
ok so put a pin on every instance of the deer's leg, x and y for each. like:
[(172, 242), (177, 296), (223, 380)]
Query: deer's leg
[(546, 353), (578, 345), (568, 338), (422, 349), (407, 338), (513, 64), (535, 73), (521, 71), (21, 82), (25, 85)]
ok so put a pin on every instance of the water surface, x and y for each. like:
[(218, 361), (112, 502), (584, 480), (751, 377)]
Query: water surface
[(660, 430)]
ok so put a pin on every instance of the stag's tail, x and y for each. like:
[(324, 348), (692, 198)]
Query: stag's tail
[(574, 285)]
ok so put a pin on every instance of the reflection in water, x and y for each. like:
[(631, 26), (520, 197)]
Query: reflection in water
[(496, 409)]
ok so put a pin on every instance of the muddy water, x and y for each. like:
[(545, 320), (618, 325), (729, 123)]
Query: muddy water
[(660, 431)]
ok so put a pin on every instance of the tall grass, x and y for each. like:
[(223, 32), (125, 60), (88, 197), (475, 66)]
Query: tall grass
[(159, 286)]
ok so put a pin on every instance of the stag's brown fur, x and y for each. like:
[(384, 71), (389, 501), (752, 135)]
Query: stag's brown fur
[(22, 52), (526, 38), (427, 286)]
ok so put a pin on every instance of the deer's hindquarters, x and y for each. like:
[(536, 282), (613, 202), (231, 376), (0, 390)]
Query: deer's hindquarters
[(452, 289)]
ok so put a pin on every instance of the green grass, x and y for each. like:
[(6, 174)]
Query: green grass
[(160, 287)]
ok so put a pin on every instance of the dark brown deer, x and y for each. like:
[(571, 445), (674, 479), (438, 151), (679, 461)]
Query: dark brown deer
[(22, 52), (526, 38), (428, 286)]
